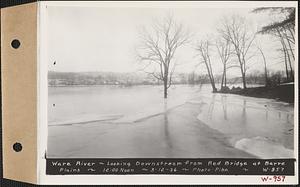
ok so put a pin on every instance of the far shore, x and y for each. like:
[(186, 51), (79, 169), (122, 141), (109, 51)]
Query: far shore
[(283, 92)]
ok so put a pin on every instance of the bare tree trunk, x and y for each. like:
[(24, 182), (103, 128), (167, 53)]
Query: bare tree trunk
[(291, 68), (166, 82), (265, 64), (242, 71), (290, 46), (244, 80), (224, 51), (223, 77), (286, 57), (203, 48), (212, 75), (223, 83), (211, 78), (291, 51), (266, 74), (292, 34), (285, 62), (243, 75), (214, 86), (165, 89), (289, 60)]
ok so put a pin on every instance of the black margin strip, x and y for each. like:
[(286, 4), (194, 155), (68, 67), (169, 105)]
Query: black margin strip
[(9, 3)]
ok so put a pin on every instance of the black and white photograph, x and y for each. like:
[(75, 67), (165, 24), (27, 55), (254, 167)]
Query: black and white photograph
[(171, 81)]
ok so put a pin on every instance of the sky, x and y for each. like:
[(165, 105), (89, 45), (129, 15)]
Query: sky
[(93, 38)]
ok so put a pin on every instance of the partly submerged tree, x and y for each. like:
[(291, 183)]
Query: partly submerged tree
[(159, 45)]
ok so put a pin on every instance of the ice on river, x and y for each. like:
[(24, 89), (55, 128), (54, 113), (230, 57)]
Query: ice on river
[(262, 127), (264, 148), (116, 104)]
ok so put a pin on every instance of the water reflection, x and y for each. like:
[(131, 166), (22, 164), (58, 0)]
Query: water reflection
[(244, 113), (211, 107), (167, 138), (243, 117), (267, 112), (224, 105)]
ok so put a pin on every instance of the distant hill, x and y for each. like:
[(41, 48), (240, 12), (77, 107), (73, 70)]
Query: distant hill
[(96, 78), (132, 78)]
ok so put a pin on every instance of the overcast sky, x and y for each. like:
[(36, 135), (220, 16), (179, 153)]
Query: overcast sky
[(104, 39)]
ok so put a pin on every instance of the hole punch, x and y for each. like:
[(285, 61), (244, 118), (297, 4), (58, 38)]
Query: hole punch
[(17, 147), (15, 44), (54, 63), (53, 104)]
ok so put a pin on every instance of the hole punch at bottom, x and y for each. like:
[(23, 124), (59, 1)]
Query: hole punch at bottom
[(17, 147)]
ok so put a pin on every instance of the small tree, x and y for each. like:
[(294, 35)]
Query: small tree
[(203, 48), (224, 51), (265, 65), (235, 30), (158, 48)]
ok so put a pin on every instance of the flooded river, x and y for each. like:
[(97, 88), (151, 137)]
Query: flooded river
[(260, 127)]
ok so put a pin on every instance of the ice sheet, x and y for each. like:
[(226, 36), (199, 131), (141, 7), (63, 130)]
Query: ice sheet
[(243, 119), (264, 148), (82, 104)]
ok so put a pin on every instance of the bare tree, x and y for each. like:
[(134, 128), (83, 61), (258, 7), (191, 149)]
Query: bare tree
[(203, 47), (284, 29), (235, 30), (287, 20), (290, 40), (265, 65), (224, 51), (158, 47), (283, 39)]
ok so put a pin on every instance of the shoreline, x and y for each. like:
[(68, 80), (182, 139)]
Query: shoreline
[(284, 92)]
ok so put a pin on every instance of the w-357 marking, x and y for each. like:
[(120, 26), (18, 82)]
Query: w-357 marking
[(274, 178)]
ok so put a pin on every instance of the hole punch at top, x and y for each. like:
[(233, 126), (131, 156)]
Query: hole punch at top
[(15, 44)]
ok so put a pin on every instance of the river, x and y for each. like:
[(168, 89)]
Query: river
[(261, 127)]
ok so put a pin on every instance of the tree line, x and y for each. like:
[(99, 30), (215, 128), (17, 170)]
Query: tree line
[(234, 42)]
